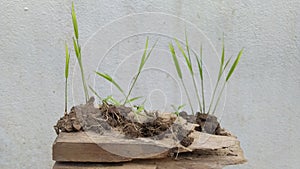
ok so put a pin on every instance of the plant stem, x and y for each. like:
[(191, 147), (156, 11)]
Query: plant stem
[(188, 97), (198, 97), (219, 97), (83, 81), (213, 96), (131, 87), (66, 95), (203, 100)]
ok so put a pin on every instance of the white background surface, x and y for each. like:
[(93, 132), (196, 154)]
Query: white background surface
[(262, 105)]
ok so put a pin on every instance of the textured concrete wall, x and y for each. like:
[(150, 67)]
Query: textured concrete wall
[(262, 105)]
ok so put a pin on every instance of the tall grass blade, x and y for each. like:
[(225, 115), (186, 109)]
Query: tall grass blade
[(187, 45), (172, 50), (110, 79), (133, 99), (66, 76), (187, 60), (177, 66), (67, 61), (222, 61), (234, 65), (95, 93), (144, 58), (227, 63), (74, 19), (77, 51)]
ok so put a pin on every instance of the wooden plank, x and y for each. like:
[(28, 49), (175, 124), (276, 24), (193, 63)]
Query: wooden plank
[(89, 147), (83, 147), (60, 165)]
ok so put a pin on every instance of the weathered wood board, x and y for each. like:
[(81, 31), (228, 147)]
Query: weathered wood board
[(207, 151)]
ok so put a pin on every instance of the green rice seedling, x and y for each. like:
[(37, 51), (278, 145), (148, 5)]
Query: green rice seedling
[(77, 49), (222, 68), (144, 59), (190, 67), (66, 76), (133, 99), (178, 69), (139, 109), (110, 99), (231, 70), (178, 109), (112, 81)]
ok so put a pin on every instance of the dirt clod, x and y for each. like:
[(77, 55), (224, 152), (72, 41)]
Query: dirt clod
[(209, 124)]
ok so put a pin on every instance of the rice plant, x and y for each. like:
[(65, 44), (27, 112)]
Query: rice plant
[(144, 59), (178, 109), (228, 76), (112, 81), (66, 76), (77, 49), (190, 67), (179, 73), (222, 68)]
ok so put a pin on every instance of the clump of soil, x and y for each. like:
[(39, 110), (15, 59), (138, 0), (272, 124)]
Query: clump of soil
[(86, 117), (117, 117), (68, 123), (207, 123)]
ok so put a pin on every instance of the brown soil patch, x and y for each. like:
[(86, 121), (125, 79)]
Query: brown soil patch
[(88, 118)]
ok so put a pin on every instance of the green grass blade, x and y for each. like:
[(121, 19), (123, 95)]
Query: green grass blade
[(67, 61), (187, 60), (187, 45), (77, 51), (227, 63), (133, 99), (95, 93), (175, 60), (180, 107), (222, 61), (147, 56), (143, 60), (234, 64), (110, 79), (199, 66), (114, 101), (74, 19)]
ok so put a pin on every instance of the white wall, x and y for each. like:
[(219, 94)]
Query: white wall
[(262, 105)]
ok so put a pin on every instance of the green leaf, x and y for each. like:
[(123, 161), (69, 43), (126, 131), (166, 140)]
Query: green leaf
[(227, 63), (112, 100), (199, 63), (146, 57), (77, 52), (222, 61), (110, 79), (180, 107), (234, 64), (175, 60), (74, 21), (187, 60), (133, 99), (67, 61), (143, 60), (187, 45)]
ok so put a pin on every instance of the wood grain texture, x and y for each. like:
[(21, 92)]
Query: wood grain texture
[(88, 147)]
